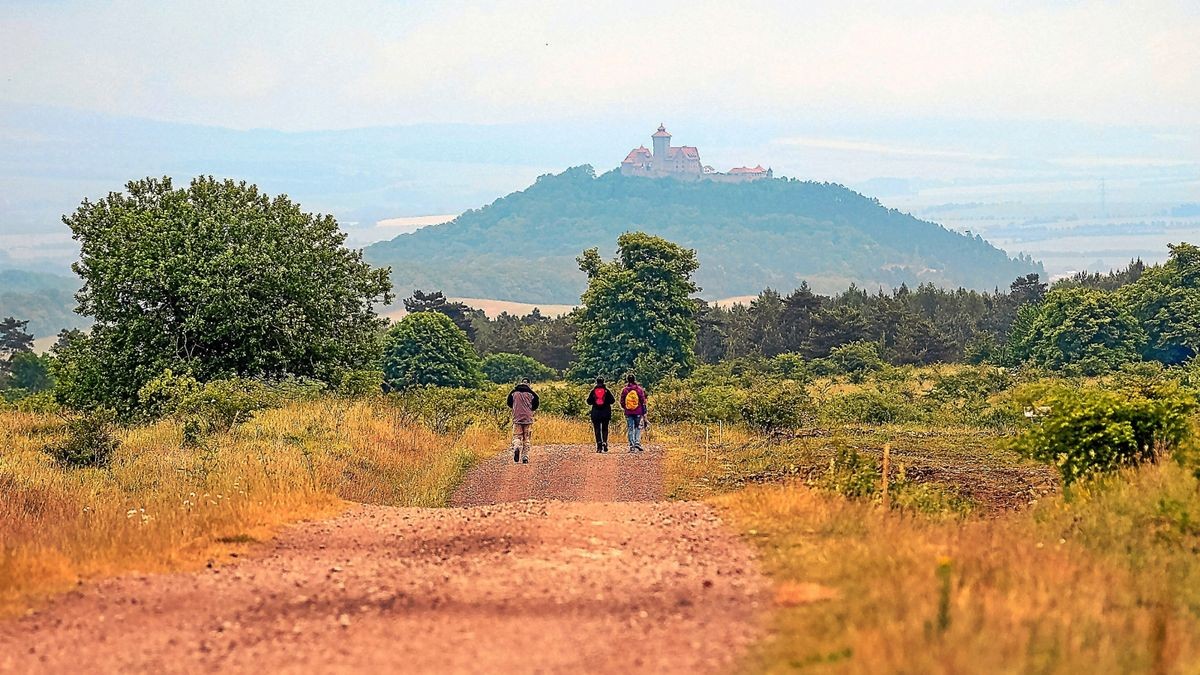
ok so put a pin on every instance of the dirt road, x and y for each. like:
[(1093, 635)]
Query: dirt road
[(567, 564)]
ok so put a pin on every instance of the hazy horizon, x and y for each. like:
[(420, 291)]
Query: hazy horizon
[(1076, 112)]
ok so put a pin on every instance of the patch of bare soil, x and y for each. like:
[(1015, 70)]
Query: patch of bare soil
[(605, 581)]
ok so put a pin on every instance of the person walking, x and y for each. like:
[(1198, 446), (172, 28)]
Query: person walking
[(523, 401), (633, 402), (601, 400)]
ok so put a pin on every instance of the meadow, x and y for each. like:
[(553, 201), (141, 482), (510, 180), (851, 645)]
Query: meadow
[(981, 562)]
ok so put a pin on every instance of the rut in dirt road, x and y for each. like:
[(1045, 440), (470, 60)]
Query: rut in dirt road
[(570, 585)]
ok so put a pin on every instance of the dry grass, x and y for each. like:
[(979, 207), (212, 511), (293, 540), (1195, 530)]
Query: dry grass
[(161, 506), (969, 460), (1107, 582)]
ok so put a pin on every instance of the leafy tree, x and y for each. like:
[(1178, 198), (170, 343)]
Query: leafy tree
[(29, 372), (1166, 299), (460, 314), (14, 341), (1089, 330), (856, 359), (509, 368), (637, 306), (216, 279), (427, 348)]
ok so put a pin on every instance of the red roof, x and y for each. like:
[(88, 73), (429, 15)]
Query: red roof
[(688, 151), (661, 133), (746, 169), (638, 154)]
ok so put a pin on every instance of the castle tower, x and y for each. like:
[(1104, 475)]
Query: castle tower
[(662, 141)]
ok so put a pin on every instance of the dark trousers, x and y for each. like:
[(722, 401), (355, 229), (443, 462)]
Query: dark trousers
[(600, 428)]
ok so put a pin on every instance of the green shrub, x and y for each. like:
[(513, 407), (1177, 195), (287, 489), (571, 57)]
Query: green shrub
[(426, 348), (1087, 431), (563, 399), (855, 359), (90, 441), (360, 383), (776, 406), (851, 475), (505, 368), (872, 406)]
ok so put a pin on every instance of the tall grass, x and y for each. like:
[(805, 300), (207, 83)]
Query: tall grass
[(161, 505), (1107, 581)]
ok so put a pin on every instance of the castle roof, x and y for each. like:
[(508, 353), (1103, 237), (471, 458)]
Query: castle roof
[(638, 154), (746, 169), (688, 151), (662, 132)]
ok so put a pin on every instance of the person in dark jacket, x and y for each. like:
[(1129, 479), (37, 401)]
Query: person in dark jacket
[(601, 400), (523, 401), (633, 402)]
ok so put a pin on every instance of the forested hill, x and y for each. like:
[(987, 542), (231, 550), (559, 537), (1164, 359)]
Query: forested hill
[(770, 233)]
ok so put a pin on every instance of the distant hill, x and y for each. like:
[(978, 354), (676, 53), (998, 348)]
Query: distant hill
[(46, 301), (769, 233)]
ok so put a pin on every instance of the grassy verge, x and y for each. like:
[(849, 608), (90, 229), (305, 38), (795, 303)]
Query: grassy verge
[(161, 506), (1105, 579)]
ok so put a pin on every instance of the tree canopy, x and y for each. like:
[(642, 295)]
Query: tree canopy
[(426, 348), (637, 312), (216, 279)]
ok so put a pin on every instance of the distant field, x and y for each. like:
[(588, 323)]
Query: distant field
[(494, 308)]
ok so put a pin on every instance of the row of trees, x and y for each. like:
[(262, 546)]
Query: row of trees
[(218, 280)]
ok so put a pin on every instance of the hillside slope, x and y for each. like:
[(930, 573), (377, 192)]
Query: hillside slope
[(774, 233), (46, 301)]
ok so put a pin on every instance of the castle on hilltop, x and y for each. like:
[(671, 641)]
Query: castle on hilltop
[(681, 162)]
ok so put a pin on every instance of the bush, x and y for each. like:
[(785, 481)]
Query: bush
[(563, 399), (871, 406), (505, 368), (850, 475), (776, 406), (426, 348), (90, 441), (855, 359), (360, 383), (1090, 431)]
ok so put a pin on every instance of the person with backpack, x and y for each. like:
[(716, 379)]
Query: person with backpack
[(633, 402), (601, 400), (523, 401)]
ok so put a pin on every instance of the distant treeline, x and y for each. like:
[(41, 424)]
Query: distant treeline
[(927, 324)]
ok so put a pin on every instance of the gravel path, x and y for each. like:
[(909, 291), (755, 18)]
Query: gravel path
[(601, 579)]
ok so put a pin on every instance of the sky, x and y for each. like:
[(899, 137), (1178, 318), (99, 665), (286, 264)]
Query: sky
[(918, 102), (319, 65)]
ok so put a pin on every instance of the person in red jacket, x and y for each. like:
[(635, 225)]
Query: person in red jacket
[(601, 401), (633, 402)]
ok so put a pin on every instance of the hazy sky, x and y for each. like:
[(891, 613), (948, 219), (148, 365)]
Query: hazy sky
[(329, 65)]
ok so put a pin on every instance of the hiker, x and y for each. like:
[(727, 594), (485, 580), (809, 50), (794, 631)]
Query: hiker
[(633, 402), (601, 400), (523, 402)]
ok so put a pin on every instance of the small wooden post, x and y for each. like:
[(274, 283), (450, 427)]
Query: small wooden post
[(887, 456)]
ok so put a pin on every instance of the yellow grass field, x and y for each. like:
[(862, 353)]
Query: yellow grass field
[(161, 506)]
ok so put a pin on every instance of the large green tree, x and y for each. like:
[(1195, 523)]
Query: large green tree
[(638, 313), (1166, 299), (218, 279), (427, 348), (1083, 328)]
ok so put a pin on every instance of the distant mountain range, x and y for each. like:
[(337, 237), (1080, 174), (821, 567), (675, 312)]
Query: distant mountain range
[(770, 233), (46, 301)]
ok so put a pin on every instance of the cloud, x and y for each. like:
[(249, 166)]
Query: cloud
[(884, 149), (307, 65)]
